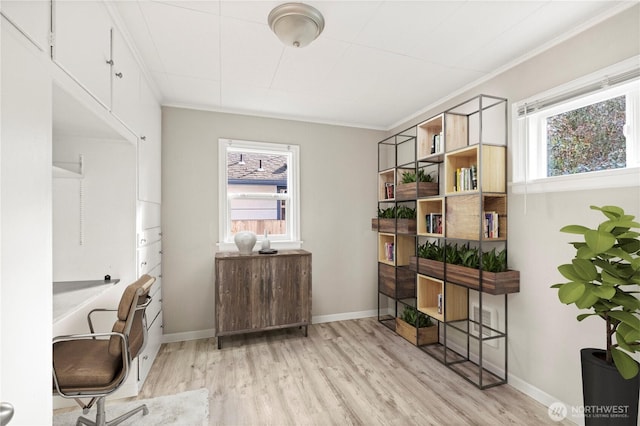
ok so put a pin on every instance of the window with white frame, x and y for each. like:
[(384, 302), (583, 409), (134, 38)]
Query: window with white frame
[(259, 191), (583, 135)]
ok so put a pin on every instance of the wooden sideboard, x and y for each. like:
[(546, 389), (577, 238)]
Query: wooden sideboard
[(258, 292)]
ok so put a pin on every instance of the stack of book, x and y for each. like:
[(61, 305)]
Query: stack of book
[(466, 179), (436, 143), (491, 225), (434, 223)]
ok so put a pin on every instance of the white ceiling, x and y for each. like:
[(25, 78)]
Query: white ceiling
[(377, 63)]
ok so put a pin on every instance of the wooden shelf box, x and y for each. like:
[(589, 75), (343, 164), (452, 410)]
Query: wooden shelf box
[(401, 226), (454, 301), (463, 215), (425, 208), (404, 246), (490, 171), (397, 283), (385, 179)]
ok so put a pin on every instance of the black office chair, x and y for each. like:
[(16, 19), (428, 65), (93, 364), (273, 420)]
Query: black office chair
[(94, 365)]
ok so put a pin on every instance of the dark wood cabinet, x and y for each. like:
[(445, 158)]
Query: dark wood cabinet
[(260, 292)]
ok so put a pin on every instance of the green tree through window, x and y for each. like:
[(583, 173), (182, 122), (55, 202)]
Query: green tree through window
[(587, 139)]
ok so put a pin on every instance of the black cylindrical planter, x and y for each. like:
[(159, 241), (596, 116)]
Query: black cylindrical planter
[(608, 398)]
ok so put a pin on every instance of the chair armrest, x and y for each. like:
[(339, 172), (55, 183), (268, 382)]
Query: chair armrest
[(96, 310)]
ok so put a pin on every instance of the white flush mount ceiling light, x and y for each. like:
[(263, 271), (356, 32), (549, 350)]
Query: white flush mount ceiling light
[(296, 24)]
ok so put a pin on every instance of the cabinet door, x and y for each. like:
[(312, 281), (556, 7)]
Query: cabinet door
[(32, 17), (289, 287), (82, 45), (125, 101), (241, 299), (149, 147)]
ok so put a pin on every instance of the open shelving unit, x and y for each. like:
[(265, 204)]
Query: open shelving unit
[(466, 147)]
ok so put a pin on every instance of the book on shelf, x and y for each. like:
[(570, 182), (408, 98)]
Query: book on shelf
[(465, 179), (440, 303), (434, 223), (389, 251), (436, 143), (389, 191), (491, 220)]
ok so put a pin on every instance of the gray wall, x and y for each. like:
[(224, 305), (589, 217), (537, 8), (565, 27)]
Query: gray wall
[(338, 200), (544, 336)]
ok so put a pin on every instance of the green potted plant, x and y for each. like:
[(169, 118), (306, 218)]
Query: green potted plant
[(416, 185), (401, 219), (416, 327), (603, 279)]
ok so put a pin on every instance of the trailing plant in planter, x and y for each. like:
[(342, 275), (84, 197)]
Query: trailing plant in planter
[(603, 278)]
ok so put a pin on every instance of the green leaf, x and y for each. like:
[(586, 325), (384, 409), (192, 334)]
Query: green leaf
[(612, 280), (626, 318), (626, 365), (628, 333), (629, 234), (622, 343), (583, 316), (574, 229), (618, 252), (589, 298), (604, 292), (584, 269), (568, 271), (571, 292), (609, 211), (599, 241), (584, 252), (627, 301)]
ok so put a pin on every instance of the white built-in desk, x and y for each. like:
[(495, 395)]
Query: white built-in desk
[(70, 296)]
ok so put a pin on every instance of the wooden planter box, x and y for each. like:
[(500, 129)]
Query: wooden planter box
[(492, 282), (405, 226), (432, 268), (413, 190), (417, 336)]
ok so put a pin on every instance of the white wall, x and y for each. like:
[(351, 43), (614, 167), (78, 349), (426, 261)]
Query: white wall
[(338, 200), (544, 336), (109, 228)]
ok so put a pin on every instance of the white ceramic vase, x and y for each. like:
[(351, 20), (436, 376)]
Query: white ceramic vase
[(245, 241)]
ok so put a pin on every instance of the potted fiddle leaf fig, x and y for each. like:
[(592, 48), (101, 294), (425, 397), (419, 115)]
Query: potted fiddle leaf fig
[(603, 279)]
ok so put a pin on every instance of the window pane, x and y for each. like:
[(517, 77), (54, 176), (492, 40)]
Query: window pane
[(256, 173), (587, 139)]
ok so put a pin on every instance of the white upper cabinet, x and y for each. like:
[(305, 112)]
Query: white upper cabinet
[(125, 75), (33, 18), (82, 45), (149, 146)]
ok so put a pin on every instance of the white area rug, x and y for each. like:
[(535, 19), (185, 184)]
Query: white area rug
[(184, 409)]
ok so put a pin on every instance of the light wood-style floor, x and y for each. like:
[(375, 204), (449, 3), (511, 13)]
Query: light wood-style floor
[(354, 372)]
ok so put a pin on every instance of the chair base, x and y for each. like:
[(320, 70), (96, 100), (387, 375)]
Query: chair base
[(101, 417)]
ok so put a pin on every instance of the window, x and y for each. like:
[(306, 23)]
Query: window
[(259, 191), (581, 136)]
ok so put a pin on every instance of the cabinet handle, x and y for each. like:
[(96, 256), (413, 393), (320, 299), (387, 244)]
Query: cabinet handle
[(146, 357), (119, 74), (143, 264), (142, 241), (144, 138), (110, 61)]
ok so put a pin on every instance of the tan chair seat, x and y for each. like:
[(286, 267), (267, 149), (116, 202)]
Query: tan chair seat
[(86, 364)]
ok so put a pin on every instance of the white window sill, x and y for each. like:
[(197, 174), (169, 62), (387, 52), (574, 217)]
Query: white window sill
[(277, 245), (619, 178)]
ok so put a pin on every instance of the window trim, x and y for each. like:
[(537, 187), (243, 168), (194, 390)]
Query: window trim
[(524, 157), (292, 238)]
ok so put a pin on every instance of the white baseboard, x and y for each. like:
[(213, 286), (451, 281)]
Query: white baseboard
[(206, 334), (539, 395), (343, 316), (188, 335)]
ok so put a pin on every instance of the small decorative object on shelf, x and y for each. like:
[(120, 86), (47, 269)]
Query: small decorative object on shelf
[(245, 241)]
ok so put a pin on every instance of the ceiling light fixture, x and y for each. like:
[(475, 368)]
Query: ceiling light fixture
[(296, 24)]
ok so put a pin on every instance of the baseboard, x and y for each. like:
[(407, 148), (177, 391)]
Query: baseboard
[(343, 316), (539, 395), (188, 335), (206, 334)]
